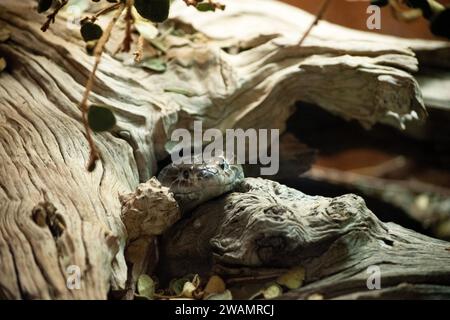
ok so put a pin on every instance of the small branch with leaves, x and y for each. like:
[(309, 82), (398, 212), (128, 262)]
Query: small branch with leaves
[(100, 118), (44, 5), (100, 47)]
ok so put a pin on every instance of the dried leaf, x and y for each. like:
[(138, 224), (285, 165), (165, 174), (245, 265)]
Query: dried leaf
[(226, 295), (273, 291), (146, 286), (315, 296), (190, 287), (2, 64), (255, 295), (215, 285), (196, 280), (176, 285), (188, 290), (293, 279)]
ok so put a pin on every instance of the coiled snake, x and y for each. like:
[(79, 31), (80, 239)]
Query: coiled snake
[(193, 184)]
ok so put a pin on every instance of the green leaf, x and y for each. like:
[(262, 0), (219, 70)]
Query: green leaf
[(101, 118), (2, 64), (153, 10), (177, 285), (205, 6), (44, 5), (154, 64), (91, 31), (90, 47), (146, 286), (182, 91)]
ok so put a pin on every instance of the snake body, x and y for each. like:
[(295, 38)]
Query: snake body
[(193, 184)]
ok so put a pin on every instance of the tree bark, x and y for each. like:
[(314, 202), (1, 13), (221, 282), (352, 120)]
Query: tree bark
[(54, 214), (337, 241)]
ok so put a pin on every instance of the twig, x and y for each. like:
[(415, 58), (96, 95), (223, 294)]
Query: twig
[(94, 154), (126, 44), (51, 17), (253, 278), (107, 10), (319, 16), (140, 50), (102, 12)]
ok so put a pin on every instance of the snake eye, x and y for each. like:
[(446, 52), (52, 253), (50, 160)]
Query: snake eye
[(186, 174), (223, 165)]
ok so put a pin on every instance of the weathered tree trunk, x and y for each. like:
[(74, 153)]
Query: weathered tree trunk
[(236, 78), (336, 240)]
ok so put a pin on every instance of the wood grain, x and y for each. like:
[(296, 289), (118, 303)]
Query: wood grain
[(43, 148)]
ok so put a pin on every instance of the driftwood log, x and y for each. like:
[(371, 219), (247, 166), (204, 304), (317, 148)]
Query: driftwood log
[(54, 214), (336, 240), (427, 204)]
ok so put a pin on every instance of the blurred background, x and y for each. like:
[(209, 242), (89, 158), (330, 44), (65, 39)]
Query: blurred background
[(352, 14)]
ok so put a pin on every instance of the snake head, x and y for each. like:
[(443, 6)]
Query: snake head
[(200, 180)]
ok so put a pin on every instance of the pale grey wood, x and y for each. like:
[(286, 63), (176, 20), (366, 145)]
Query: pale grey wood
[(43, 147), (266, 224)]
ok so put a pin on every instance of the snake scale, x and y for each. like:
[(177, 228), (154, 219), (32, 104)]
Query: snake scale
[(194, 184)]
